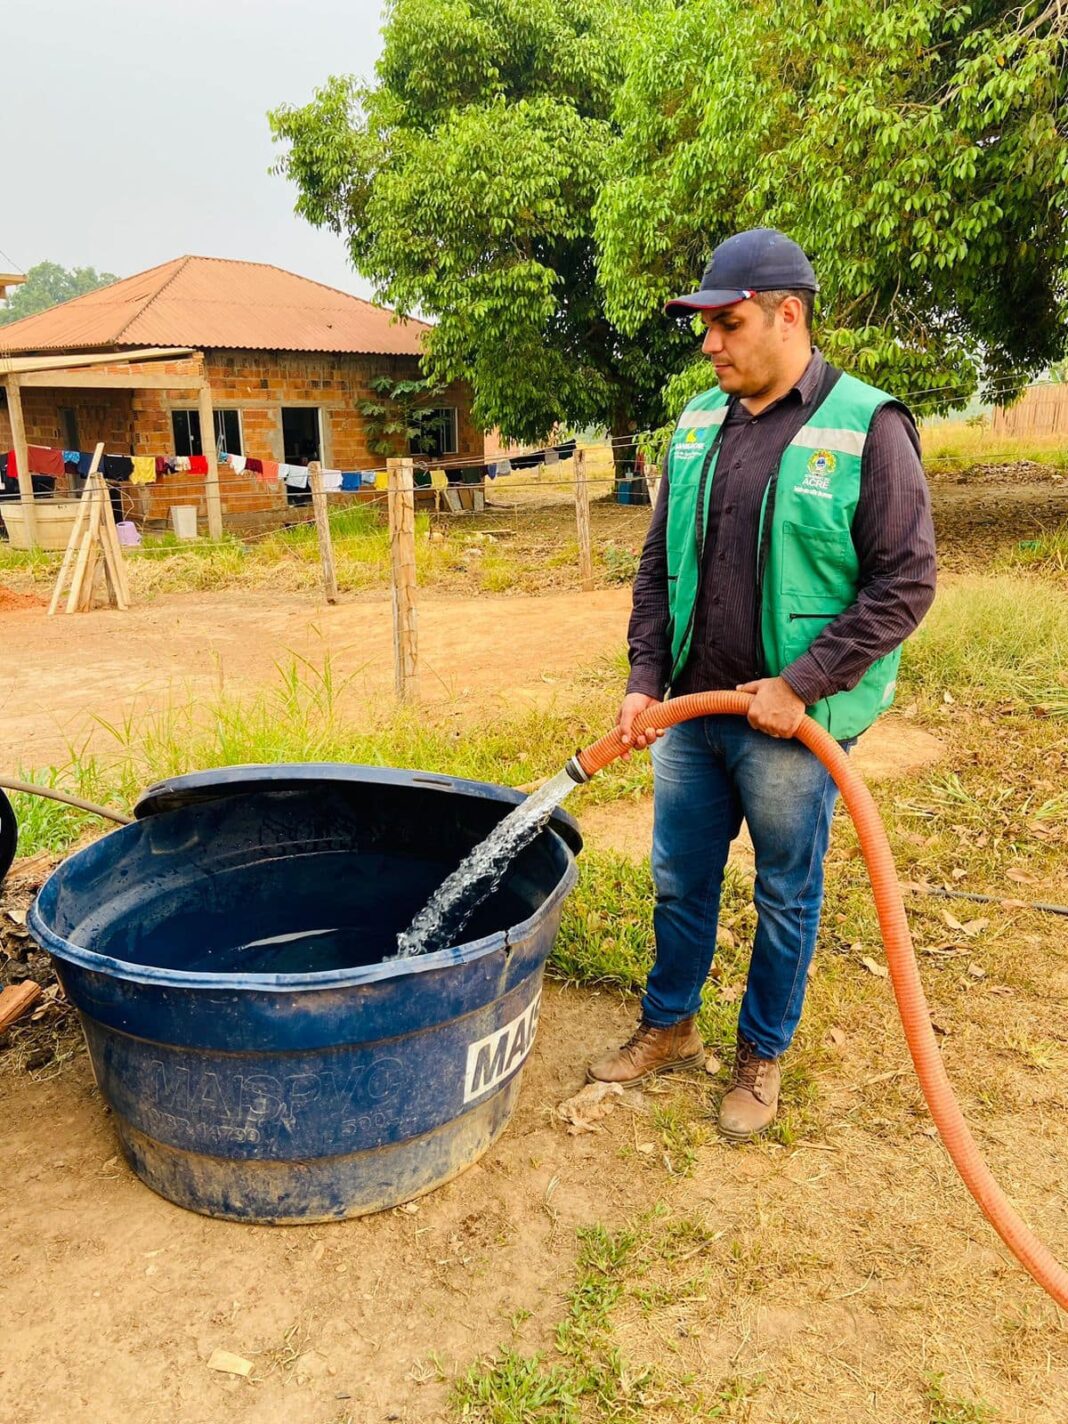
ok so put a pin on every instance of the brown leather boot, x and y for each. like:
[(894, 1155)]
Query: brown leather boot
[(648, 1051), (750, 1104)]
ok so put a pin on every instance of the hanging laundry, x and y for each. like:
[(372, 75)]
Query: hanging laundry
[(565, 449), (381, 479), (44, 461), (181, 464), (256, 466), (351, 480), (161, 466), (237, 464), (198, 464), (85, 460), (295, 476), (170, 463), (439, 479), (552, 457), (116, 467), (528, 462), (367, 479), (70, 457), (144, 470), (331, 480), (269, 472)]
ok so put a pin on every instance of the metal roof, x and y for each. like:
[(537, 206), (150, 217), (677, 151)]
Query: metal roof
[(219, 303)]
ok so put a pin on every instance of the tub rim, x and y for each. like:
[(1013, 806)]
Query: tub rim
[(564, 830)]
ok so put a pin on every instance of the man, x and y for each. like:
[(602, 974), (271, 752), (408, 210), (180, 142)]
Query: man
[(790, 554)]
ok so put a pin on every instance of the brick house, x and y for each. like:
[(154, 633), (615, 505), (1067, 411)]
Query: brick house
[(287, 361)]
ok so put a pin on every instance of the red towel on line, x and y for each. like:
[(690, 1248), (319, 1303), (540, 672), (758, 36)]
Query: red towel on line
[(269, 473), (198, 464), (44, 461)]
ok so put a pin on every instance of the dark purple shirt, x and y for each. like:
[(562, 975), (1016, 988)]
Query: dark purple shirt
[(892, 533)]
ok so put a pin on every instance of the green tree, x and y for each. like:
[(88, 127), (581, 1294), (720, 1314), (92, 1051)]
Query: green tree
[(397, 416), (48, 283), (464, 182), (918, 151)]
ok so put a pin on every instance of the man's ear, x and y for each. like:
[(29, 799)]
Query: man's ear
[(792, 315)]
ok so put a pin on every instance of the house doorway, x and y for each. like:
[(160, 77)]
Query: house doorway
[(302, 442)]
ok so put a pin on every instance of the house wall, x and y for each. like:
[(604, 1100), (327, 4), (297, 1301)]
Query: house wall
[(256, 383)]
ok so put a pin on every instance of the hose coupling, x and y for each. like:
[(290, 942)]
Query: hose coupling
[(574, 770)]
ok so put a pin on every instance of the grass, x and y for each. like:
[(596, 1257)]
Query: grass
[(991, 640), (1046, 553), (950, 446), (501, 551)]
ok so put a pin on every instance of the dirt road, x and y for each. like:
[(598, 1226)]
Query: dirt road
[(61, 674)]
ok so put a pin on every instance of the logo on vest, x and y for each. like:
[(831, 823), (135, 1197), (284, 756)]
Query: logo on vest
[(690, 445), (822, 462), (821, 465)]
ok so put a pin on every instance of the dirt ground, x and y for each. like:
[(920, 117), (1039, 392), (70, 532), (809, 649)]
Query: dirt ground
[(113, 1300), (63, 674)]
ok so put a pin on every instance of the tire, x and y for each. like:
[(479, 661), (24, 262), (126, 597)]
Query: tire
[(9, 835)]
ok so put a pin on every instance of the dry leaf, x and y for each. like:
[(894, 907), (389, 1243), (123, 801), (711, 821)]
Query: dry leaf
[(1021, 877), (712, 1064), (730, 992), (951, 920), (976, 971), (837, 1037), (17, 917), (879, 970), (948, 698), (724, 938), (958, 872), (973, 927), (583, 1111), (230, 1364), (646, 1147)]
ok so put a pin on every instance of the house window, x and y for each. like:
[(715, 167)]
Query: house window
[(186, 426), (437, 433)]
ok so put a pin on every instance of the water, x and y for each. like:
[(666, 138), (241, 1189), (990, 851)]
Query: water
[(440, 921)]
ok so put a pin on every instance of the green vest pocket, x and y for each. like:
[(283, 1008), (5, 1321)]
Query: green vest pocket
[(817, 568)]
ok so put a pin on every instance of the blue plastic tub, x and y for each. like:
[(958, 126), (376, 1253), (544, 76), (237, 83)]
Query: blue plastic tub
[(263, 1060)]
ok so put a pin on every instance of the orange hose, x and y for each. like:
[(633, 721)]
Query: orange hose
[(1032, 1254)]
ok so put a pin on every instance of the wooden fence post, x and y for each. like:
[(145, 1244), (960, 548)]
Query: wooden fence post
[(401, 501), (322, 529), (582, 520), (22, 459)]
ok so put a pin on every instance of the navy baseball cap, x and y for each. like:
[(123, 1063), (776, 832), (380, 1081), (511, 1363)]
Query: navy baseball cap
[(761, 260)]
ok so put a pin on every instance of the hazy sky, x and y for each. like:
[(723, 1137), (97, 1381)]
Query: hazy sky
[(136, 129)]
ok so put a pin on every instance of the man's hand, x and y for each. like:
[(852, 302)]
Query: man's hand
[(633, 703), (775, 709)]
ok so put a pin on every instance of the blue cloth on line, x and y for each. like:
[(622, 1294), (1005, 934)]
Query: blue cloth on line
[(367, 479), (351, 479), (84, 461)]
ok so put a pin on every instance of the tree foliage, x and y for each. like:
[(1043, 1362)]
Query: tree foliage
[(464, 181), (48, 283), (918, 151), (398, 415)]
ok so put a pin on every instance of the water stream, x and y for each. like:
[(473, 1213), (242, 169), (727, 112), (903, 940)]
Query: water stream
[(440, 921)]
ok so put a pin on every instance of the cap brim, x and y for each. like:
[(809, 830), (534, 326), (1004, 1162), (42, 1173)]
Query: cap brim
[(706, 301)]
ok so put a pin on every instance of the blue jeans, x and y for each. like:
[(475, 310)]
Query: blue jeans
[(709, 774)]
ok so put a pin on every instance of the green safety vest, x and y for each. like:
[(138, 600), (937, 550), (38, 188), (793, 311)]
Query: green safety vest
[(807, 568)]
